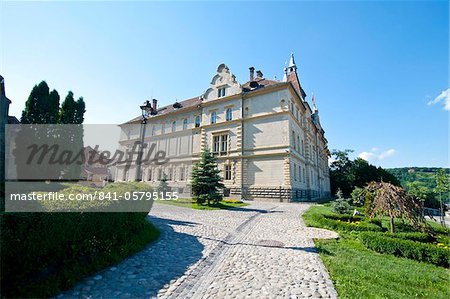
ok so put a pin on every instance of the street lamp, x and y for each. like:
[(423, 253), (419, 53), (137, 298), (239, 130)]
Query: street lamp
[(147, 110)]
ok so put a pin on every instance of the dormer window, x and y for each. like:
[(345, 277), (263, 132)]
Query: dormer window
[(221, 92)]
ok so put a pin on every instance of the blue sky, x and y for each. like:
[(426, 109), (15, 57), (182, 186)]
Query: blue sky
[(373, 66)]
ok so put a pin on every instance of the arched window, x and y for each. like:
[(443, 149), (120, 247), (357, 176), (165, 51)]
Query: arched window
[(214, 117), (185, 124), (229, 114), (197, 121), (174, 126)]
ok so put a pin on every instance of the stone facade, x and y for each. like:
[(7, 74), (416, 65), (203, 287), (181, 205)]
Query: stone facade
[(267, 138)]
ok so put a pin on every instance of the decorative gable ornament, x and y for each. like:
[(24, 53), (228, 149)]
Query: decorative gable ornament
[(222, 84)]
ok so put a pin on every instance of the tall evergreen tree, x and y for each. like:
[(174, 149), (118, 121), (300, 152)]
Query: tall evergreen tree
[(206, 179), (72, 112), (42, 106)]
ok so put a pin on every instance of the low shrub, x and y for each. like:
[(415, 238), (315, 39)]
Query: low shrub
[(327, 221), (43, 253), (231, 200), (344, 217), (341, 206), (424, 252)]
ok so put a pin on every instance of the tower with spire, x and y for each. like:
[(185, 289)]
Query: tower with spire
[(290, 75)]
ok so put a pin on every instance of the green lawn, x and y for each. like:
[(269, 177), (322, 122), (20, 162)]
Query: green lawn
[(358, 272), (190, 203)]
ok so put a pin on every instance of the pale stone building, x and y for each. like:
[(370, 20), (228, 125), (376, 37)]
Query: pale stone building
[(268, 139)]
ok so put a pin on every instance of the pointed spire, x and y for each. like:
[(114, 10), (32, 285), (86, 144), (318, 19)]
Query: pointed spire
[(292, 66), (313, 102), (285, 72)]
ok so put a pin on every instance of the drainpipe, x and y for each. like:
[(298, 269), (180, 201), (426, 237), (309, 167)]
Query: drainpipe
[(242, 144)]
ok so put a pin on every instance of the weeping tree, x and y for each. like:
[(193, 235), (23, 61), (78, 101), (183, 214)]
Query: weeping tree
[(394, 202)]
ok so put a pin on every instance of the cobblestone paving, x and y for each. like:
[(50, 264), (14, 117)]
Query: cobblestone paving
[(260, 251)]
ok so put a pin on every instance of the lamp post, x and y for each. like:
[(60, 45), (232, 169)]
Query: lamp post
[(146, 109)]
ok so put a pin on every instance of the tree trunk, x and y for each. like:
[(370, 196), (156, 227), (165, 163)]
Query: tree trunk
[(441, 216), (391, 222)]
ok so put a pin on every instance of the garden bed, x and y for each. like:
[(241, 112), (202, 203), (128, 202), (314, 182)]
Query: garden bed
[(357, 271)]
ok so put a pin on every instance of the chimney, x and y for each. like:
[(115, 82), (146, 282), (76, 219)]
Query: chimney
[(259, 74), (155, 104), (252, 73)]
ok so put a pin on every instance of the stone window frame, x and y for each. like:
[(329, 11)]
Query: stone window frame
[(227, 169), (220, 143), (214, 117), (174, 126), (229, 114), (185, 123), (198, 121)]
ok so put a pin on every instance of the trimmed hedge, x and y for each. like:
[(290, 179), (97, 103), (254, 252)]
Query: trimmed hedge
[(424, 252), (43, 253), (335, 222)]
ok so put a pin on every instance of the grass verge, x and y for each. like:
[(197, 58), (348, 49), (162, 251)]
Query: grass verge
[(190, 203)]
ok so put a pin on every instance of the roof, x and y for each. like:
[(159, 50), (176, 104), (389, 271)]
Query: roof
[(192, 102), (195, 101), (13, 120)]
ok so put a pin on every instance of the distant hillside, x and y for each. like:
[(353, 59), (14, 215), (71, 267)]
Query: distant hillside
[(424, 175)]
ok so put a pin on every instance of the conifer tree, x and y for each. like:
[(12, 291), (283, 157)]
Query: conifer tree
[(163, 187), (206, 179)]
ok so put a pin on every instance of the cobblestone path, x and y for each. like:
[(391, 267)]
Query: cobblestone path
[(260, 251)]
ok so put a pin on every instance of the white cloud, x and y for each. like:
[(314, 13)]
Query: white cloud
[(373, 156), (444, 97)]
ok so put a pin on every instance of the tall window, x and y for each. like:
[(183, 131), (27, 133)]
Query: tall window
[(295, 172), (182, 173), (185, 124), (221, 92), (149, 174), (299, 173), (197, 121), (304, 176), (160, 174), (163, 128), (229, 114), (227, 172), (153, 130), (298, 143), (214, 117), (220, 144), (174, 126), (293, 139), (303, 148)]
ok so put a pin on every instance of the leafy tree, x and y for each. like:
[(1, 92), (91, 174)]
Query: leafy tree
[(346, 174), (359, 196), (206, 179), (341, 174), (393, 201), (442, 186)]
